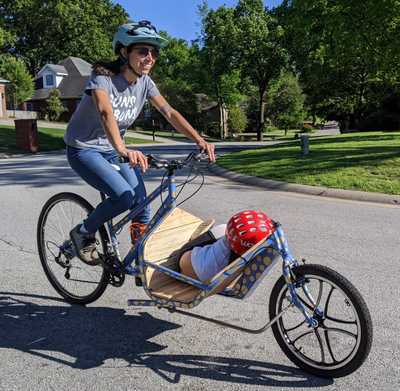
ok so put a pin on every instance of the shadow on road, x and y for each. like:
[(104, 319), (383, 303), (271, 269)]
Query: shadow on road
[(86, 337), (47, 172)]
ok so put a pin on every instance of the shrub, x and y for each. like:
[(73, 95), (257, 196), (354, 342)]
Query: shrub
[(285, 104), (54, 106), (212, 129), (381, 120), (237, 120)]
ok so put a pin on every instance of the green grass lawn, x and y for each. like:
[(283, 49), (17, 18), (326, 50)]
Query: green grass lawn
[(49, 139), (367, 161)]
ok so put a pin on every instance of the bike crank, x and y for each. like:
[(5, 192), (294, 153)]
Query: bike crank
[(115, 270)]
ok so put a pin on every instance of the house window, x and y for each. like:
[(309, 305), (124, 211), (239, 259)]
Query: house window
[(49, 80)]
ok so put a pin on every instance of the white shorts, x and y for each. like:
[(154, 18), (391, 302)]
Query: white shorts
[(208, 260)]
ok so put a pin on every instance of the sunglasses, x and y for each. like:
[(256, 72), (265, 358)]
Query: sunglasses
[(144, 52)]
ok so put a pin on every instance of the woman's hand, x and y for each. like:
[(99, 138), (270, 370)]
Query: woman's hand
[(136, 158), (207, 148)]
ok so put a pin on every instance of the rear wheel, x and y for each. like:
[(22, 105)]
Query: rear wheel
[(342, 340), (73, 279)]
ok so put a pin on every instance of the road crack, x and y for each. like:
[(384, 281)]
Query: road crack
[(18, 247)]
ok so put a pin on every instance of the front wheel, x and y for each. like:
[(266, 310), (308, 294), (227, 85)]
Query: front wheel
[(342, 339), (76, 281)]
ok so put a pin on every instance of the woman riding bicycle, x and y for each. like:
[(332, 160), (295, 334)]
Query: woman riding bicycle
[(113, 99)]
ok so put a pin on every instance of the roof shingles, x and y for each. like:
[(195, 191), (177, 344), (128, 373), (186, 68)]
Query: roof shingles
[(72, 86)]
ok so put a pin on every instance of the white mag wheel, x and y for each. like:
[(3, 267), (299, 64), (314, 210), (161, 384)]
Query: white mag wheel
[(342, 340)]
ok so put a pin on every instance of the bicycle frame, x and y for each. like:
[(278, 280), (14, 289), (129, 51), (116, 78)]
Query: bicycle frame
[(277, 241)]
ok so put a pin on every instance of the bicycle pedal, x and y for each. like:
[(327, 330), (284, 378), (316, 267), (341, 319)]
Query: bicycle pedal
[(116, 279), (138, 281)]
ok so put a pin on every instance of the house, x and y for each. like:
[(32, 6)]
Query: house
[(69, 77), (3, 109)]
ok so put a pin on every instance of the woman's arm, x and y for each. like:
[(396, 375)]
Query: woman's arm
[(103, 105), (181, 125)]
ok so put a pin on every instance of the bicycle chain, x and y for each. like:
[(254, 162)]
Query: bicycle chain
[(115, 270)]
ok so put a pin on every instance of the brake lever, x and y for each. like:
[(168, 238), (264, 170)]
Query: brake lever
[(156, 163), (202, 157), (123, 159)]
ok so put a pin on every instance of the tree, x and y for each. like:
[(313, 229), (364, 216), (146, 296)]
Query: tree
[(344, 51), (49, 31), (21, 87), (261, 55), (176, 76), (237, 119), (221, 79), (6, 38), (285, 102), (54, 106)]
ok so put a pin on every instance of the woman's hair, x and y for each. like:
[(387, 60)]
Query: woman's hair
[(108, 68), (111, 68)]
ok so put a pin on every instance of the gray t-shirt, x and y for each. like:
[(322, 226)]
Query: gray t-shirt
[(85, 129)]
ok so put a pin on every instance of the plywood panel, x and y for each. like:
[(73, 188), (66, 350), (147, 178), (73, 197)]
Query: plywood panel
[(175, 231)]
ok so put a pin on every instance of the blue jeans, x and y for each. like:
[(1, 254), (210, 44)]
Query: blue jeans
[(124, 188)]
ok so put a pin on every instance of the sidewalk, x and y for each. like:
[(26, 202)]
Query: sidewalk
[(42, 124)]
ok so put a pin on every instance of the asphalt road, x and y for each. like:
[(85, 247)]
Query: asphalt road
[(46, 344)]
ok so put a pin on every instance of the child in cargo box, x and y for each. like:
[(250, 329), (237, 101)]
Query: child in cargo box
[(228, 242)]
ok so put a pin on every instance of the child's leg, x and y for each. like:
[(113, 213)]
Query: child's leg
[(186, 268), (185, 265)]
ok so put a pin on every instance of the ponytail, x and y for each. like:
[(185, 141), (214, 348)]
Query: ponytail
[(108, 68)]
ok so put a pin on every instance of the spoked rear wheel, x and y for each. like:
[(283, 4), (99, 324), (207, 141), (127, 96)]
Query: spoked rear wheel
[(342, 340), (73, 279)]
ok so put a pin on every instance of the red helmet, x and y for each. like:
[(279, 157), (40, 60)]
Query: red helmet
[(247, 228)]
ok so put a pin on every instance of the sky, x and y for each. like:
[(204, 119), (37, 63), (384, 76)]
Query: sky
[(178, 18)]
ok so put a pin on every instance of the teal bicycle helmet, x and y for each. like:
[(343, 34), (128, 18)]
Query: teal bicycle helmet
[(137, 32)]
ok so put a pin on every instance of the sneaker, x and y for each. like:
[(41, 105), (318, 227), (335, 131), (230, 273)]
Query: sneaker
[(136, 230), (85, 246)]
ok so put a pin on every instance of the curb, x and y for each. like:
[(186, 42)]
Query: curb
[(305, 189)]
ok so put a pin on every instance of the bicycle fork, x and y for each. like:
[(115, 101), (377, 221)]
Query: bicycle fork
[(288, 263)]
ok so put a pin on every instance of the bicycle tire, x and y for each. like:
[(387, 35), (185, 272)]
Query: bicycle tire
[(101, 275), (353, 303)]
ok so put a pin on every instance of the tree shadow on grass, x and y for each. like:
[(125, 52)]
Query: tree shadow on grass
[(284, 164)]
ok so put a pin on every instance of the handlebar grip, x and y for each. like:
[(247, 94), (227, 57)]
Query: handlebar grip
[(123, 159), (153, 162)]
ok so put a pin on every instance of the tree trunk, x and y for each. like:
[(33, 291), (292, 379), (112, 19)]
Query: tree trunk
[(223, 120), (261, 108), (314, 119)]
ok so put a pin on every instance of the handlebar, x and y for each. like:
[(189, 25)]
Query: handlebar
[(173, 164)]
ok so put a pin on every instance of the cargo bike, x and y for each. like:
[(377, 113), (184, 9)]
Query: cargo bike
[(318, 318)]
